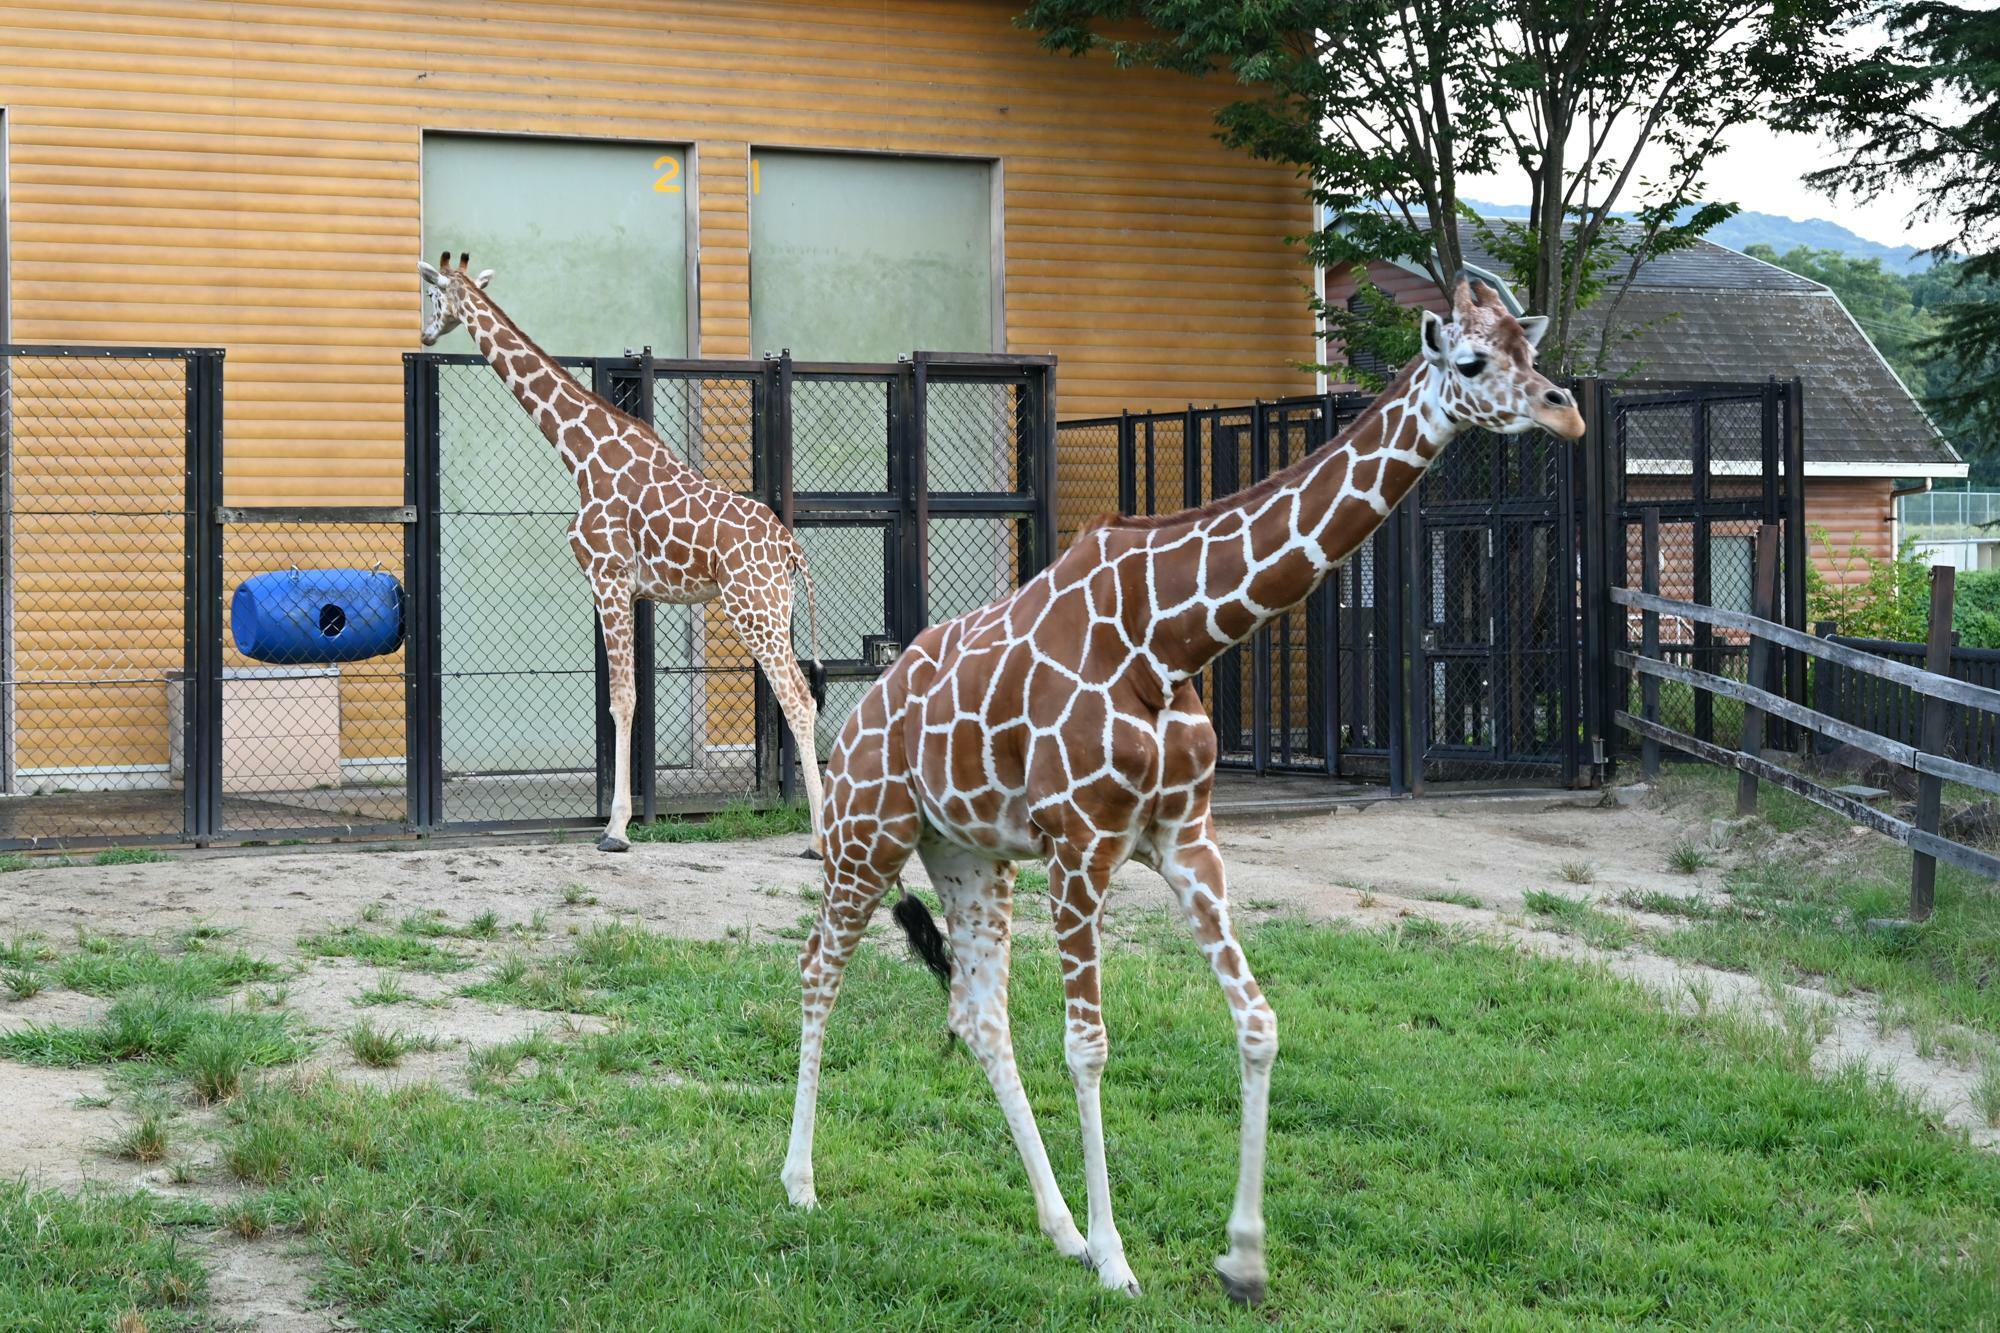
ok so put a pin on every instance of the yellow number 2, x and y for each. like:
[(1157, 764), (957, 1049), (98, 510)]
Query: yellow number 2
[(666, 184)]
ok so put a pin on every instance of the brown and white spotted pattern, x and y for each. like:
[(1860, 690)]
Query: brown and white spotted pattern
[(647, 525), (1061, 723)]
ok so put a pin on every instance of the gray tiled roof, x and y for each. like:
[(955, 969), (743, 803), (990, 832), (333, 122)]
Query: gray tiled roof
[(1711, 313), (1856, 411)]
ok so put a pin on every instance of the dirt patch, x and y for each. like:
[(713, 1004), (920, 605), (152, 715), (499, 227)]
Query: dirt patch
[(260, 1285), (272, 898), (55, 1125)]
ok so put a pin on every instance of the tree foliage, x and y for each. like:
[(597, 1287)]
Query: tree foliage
[(1923, 108), (1386, 107), (1906, 317), (1872, 598)]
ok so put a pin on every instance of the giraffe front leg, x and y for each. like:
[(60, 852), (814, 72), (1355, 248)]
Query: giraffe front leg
[(1192, 867), (1076, 889), (614, 614)]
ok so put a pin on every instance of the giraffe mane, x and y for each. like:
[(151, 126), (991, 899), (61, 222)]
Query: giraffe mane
[(618, 415), (1251, 495)]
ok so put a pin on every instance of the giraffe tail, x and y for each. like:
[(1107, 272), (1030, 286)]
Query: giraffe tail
[(816, 675), (926, 940)]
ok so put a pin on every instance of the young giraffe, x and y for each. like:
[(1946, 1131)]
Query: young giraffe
[(1062, 723), (647, 525)]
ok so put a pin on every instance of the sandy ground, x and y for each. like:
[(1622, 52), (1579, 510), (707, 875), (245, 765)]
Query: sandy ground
[(1371, 865)]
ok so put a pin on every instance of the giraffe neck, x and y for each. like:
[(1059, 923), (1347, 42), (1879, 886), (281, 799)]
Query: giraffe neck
[(1220, 572), (551, 396)]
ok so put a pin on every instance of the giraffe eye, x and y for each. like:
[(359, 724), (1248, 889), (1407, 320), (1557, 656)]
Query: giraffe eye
[(1471, 366)]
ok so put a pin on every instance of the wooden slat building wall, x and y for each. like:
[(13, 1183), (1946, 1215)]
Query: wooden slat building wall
[(186, 172)]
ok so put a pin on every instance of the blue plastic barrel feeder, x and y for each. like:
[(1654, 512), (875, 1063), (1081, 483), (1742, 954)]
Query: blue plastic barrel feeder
[(291, 616)]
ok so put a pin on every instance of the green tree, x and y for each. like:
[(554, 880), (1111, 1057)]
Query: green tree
[(1385, 107), (1923, 108)]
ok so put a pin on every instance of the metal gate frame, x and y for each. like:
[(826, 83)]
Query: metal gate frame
[(1616, 515)]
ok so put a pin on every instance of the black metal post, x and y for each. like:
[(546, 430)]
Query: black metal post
[(645, 678), (430, 512), (1705, 656), (1414, 587), (1794, 538), (1390, 595), (1649, 639), (1566, 621), (1128, 463), (1595, 662), (416, 638), (1260, 643), (201, 739), (1043, 378)]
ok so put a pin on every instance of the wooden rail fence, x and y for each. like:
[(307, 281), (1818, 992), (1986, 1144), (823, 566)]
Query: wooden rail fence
[(1937, 689)]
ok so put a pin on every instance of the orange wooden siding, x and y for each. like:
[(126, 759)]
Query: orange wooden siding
[(188, 172)]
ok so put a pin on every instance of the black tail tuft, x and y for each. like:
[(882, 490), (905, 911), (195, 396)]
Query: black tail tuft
[(926, 941), (816, 682)]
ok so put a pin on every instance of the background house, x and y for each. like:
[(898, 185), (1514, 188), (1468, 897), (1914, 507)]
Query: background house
[(1711, 313)]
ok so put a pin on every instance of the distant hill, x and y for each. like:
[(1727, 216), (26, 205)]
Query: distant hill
[(1781, 234)]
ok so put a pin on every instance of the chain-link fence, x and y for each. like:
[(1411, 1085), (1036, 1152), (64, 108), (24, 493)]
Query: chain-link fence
[(314, 689), (180, 668), (95, 647)]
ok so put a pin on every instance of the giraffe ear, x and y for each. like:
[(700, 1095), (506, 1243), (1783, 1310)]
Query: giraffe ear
[(430, 275), (1534, 326), (485, 276), (1433, 338)]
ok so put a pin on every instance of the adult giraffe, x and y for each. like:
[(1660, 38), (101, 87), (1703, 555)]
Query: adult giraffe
[(647, 525), (1061, 722)]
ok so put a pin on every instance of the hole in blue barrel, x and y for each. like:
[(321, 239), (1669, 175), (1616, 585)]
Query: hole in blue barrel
[(295, 616)]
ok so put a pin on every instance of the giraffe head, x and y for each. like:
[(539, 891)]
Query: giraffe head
[(1483, 363), (447, 295)]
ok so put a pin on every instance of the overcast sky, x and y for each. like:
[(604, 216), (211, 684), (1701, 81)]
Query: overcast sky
[(1763, 171)]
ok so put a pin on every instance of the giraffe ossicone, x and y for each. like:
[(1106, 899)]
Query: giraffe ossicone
[(647, 525), (1061, 723)]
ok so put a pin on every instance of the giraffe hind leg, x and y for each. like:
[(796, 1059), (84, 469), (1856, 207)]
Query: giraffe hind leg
[(614, 613), (1079, 875), (978, 897)]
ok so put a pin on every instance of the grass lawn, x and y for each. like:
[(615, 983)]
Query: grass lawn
[(96, 1263), (1801, 916), (1461, 1137), (731, 824)]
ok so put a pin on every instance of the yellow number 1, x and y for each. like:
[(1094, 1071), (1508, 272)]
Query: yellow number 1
[(666, 183)]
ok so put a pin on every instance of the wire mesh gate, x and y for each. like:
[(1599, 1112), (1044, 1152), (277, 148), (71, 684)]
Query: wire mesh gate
[(1717, 461), (920, 489), (1466, 638)]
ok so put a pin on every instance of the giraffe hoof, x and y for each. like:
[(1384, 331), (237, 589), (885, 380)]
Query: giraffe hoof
[(1244, 1290), (607, 843), (810, 854)]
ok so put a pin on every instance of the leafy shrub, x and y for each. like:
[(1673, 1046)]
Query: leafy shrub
[(1891, 599)]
